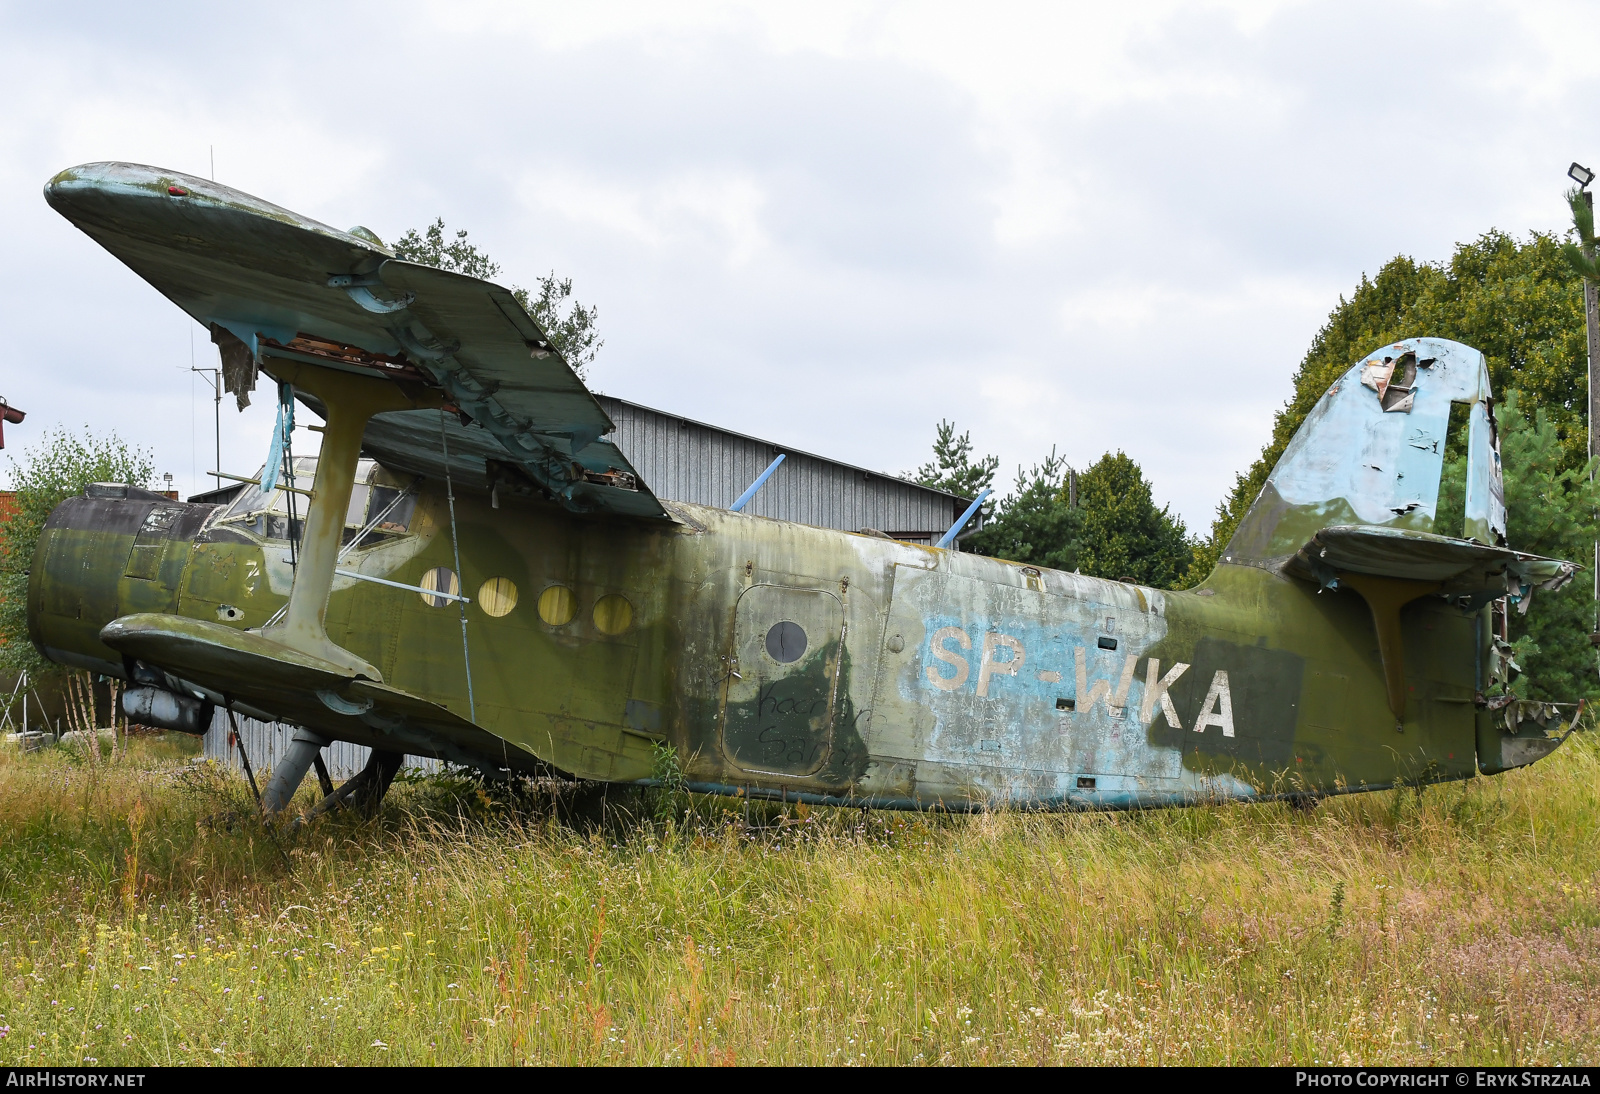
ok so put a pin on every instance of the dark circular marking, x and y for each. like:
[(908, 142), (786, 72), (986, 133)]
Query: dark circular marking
[(786, 642)]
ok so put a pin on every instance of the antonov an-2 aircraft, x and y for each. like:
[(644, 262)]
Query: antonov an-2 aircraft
[(481, 576)]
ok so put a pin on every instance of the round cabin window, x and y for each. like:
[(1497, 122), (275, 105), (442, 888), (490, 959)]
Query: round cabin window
[(612, 614), (557, 605), (498, 596), (440, 579), (786, 642)]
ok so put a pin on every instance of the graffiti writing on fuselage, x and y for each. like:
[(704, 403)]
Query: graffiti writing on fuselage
[(950, 669), (790, 733)]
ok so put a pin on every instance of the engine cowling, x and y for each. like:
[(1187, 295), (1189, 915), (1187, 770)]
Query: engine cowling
[(110, 552)]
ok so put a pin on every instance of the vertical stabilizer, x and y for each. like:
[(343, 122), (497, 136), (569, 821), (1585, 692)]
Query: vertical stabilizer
[(1371, 452)]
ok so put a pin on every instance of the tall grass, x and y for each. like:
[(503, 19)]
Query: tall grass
[(146, 917)]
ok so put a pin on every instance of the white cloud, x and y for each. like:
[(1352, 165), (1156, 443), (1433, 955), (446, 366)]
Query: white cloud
[(704, 211), (829, 223)]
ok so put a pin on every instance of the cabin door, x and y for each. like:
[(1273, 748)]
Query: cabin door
[(777, 716)]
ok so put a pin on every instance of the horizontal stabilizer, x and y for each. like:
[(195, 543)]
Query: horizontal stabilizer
[(242, 667), (1460, 567)]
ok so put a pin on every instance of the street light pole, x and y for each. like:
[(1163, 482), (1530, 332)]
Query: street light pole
[(1591, 321)]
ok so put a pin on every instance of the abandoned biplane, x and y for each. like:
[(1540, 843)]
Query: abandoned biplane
[(482, 577)]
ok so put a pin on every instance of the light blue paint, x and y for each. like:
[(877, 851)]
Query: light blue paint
[(1016, 726), (1486, 504), (280, 439), (1359, 463), (761, 480), (944, 540)]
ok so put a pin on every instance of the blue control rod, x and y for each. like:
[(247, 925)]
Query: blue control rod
[(944, 540), (761, 479)]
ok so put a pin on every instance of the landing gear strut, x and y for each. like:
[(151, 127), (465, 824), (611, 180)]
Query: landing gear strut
[(365, 791)]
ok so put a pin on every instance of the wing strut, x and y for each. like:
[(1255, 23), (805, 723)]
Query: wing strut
[(350, 401), (461, 602)]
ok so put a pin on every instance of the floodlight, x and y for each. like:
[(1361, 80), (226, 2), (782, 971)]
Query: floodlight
[(1580, 175)]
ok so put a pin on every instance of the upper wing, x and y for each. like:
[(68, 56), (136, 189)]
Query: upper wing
[(289, 287)]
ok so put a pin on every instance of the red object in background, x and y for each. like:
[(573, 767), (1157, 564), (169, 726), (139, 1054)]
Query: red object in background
[(8, 414)]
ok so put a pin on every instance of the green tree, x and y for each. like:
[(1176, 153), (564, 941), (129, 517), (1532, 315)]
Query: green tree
[(570, 326), (1123, 534), (953, 469), (61, 465), (1034, 523), (1549, 511), (1548, 507)]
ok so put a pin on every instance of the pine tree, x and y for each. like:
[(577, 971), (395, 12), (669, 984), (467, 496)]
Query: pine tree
[(1035, 522), (1548, 503), (953, 469)]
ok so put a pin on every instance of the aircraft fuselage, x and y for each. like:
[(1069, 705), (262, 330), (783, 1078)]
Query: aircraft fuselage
[(782, 659)]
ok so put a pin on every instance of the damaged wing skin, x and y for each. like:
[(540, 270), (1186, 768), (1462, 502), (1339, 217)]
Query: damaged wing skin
[(269, 282), (1341, 644)]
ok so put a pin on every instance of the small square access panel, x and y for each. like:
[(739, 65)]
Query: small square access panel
[(1085, 782)]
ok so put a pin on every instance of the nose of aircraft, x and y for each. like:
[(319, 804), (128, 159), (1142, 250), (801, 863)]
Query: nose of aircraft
[(110, 552)]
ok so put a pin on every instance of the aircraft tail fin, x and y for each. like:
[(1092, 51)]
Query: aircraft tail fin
[(1371, 453)]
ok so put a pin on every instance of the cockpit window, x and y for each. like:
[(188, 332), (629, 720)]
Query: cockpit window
[(374, 499), (252, 501), (391, 510)]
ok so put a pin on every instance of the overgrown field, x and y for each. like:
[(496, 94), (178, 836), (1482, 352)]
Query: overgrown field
[(145, 917)]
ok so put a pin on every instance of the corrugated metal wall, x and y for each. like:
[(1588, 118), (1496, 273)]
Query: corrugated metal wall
[(684, 460), (266, 742)]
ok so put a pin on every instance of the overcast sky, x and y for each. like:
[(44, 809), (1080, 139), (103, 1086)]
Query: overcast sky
[(827, 225)]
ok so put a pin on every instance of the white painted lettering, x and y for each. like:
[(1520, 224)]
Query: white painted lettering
[(992, 641), (1119, 701), (1088, 695), (1155, 690), (1086, 699), (949, 657), (1218, 708)]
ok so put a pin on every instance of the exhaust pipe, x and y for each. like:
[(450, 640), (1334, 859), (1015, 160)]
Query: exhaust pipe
[(167, 710)]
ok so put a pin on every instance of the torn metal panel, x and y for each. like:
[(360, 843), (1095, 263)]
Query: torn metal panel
[(238, 364), (1486, 498)]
